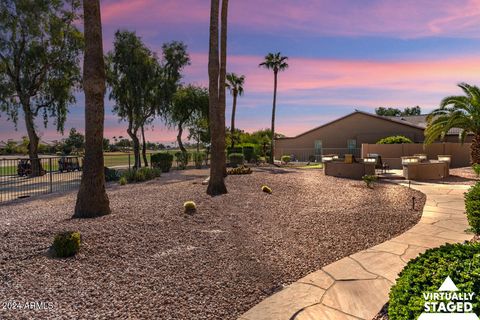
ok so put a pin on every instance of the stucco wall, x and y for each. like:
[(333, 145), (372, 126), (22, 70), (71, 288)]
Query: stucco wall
[(391, 153), (361, 127)]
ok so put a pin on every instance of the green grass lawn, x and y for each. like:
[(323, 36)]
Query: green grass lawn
[(312, 166)]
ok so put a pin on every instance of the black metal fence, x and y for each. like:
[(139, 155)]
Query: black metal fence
[(21, 177)]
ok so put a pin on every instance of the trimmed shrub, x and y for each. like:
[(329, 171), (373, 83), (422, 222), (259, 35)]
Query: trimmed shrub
[(231, 150), (369, 180), (162, 160), (182, 159), (236, 159), (476, 169), (472, 207), (239, 170), (249, 153), (267, 189), (198, 158), (262, 159), (190, 207), (427, 272), (142, 174), (286, 159), (394, 140), (66, 244), (111, 174), (123, 181)]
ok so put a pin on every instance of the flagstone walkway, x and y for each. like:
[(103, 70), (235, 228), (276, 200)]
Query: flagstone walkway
[(357, 286)]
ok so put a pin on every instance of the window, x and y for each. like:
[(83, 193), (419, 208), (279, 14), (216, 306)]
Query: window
[(318, 147), (351, 145)]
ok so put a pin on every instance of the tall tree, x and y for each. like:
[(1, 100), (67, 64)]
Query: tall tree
[(462, 112), (39, 63), (275, 62), (188, 104), (235, 86), (216, 76), (135, 78), (92, 199), (141, 86)]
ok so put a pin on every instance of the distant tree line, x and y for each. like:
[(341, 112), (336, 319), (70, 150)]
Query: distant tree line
[(395, 112)]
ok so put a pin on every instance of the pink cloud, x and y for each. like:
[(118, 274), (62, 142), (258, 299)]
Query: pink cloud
[(404, 19)]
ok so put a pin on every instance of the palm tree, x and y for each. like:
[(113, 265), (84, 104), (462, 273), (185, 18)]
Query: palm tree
[(462, 112), (235, 86), (216, 76), (92, 200), (275, 62)]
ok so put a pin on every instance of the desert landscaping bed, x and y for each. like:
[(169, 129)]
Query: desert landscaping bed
[(150, 260)]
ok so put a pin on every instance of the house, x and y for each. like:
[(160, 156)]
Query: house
[(348, 133)]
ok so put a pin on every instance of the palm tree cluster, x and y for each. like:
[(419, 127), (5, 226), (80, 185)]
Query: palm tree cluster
[(457, 112)]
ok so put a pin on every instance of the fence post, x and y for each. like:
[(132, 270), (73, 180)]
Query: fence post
[(51, 174)]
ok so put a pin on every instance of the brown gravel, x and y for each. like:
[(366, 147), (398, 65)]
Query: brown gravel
[(464, 175), (149, 260)]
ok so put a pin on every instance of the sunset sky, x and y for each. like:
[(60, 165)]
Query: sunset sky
[(343, 55)]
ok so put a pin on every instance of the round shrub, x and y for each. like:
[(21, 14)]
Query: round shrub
[(162, 160), (394, 140), (427, 272), (231, 150), (286, 159), (123, 181), (248, 153), (182, 159), (472, 207), (190, 207), (236, 159), (267, 189), (111, 174), (476, 169), (198, 158), (66, 244)]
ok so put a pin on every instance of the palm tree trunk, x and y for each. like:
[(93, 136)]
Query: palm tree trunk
[(216, 75), (144, 147), (272, 144), (92, 199), (475, 148), (232, 125)]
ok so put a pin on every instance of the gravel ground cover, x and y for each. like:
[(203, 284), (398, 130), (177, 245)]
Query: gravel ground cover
[(148, 260)]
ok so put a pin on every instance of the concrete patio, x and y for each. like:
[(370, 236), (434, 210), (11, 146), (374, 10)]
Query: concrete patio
[(357, 286)]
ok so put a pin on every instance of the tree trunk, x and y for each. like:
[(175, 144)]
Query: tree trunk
[(475, 148), (216, 185), (136, 148), (232, 125), (92, 199), (179, 138), (272, 144), (144, 147), (33, 141)]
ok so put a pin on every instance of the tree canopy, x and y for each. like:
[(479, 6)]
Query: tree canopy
[(39, 61), (142, 86), (395, 112)]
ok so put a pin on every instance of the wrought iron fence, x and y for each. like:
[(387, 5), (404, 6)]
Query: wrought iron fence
[(21, 177)]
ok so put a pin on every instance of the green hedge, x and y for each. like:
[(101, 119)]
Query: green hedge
[(142, 174), (236, 159), (231, 150), (427, 272), (286, 159), (198, 158), (394, 140), (162, 160), (472, 207)]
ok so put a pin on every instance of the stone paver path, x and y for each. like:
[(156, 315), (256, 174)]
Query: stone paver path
[(357, 286)]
